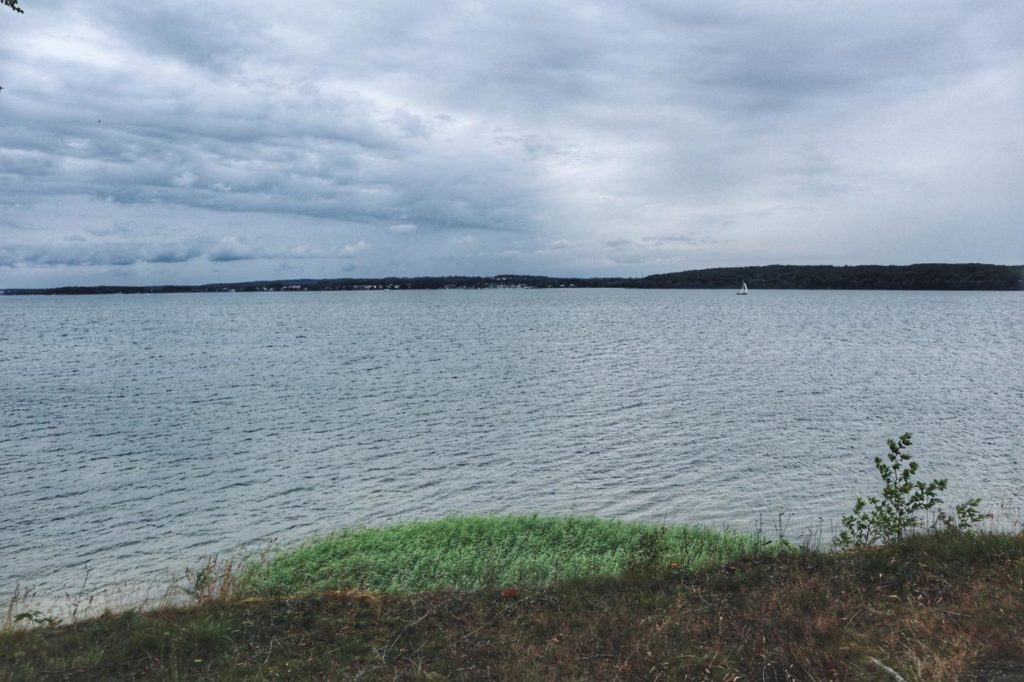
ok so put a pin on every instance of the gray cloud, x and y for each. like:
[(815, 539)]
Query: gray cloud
[(78, 250), (125, 253), (596, 138)]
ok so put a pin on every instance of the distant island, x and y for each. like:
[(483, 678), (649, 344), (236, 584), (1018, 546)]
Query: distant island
[(923, 276)]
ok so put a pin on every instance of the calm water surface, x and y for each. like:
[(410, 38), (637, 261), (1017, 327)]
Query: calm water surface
[(138, 433)]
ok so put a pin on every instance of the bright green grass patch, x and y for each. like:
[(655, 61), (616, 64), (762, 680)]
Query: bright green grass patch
[(470, 553)]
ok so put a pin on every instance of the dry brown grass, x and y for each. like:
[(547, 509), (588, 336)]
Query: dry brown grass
[(940, 609)]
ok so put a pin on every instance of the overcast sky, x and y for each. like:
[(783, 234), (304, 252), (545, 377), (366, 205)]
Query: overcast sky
[(171, 142)]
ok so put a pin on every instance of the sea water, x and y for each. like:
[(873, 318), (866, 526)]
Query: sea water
[(138, 433)]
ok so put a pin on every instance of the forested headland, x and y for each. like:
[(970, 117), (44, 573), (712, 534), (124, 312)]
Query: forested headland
[(941, 276)]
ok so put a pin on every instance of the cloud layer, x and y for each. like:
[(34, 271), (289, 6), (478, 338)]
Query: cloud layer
[(207, 141)]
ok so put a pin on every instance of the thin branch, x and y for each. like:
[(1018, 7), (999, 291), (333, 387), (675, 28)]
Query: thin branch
[(886, 669)]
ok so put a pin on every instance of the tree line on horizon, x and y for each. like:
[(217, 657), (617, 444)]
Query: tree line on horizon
[(925, 276), (941, 276)]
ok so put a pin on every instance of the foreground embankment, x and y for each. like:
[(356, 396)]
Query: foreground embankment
[(672, 603)]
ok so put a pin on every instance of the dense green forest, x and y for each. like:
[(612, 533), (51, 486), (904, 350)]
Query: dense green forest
[(938, 276), (943, 276)]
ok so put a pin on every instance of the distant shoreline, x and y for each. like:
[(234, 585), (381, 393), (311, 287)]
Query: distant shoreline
[(923, 276)]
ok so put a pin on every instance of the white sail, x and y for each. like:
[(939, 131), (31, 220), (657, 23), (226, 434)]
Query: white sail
[(743, 290)]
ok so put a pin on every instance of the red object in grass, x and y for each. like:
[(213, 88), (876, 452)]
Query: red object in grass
[(509, 593)]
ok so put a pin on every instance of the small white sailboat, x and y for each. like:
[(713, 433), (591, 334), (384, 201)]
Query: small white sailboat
[(743, 290)]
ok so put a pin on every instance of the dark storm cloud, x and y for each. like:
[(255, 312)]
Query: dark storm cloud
[(526, 134)]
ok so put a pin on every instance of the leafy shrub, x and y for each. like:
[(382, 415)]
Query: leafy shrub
[(888, 518)]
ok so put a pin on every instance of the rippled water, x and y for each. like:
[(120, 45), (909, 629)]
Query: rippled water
[(140, 432)]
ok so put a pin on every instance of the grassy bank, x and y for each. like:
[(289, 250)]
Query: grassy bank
[(472, 553), (943, 606)]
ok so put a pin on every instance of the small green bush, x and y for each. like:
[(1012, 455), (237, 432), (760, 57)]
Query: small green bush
[(889, 518)]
